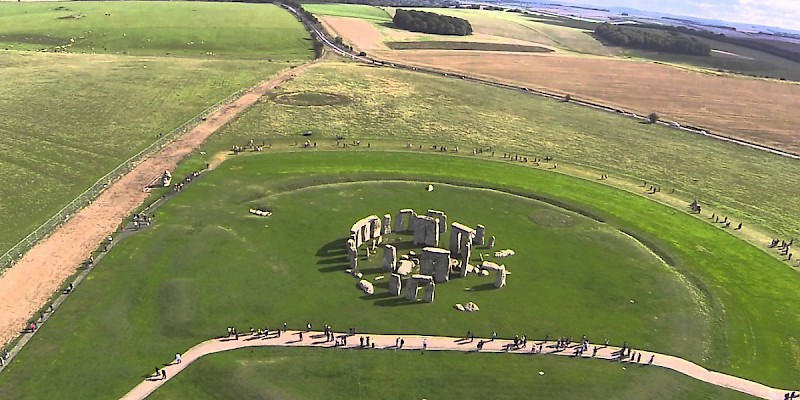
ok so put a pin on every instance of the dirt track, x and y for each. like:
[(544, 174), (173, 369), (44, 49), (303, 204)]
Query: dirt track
[(27, 286)]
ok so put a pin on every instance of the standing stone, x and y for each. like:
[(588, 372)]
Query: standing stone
[(395, 284), (398, 222), (465, 256), (500, 277), (455, 238), (389, 258), (433, 239), (430, 288), (480, 232), (426, 264), (352, 255), (491, 242), (387, 224), (411, 289), (442, 219), (375, 227)]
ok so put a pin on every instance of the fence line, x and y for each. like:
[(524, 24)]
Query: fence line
[(16, 252)]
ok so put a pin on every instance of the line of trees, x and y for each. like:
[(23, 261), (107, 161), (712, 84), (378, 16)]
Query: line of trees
[(750, 43), (428, 22), (646, 39)]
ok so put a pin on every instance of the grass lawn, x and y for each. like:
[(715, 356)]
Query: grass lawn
[(315, 373), (207, 264), (370, 13), (453, 45), (74, 117), (192, 29), (404, 106)]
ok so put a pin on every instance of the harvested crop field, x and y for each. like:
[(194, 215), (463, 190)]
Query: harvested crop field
[(760, 111), (478, 46)]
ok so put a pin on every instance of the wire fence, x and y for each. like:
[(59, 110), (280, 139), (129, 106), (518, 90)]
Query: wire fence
[(16, 252)]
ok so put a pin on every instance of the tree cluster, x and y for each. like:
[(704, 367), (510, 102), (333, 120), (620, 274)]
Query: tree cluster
[(750, 43), (427, 22), (646, 39)]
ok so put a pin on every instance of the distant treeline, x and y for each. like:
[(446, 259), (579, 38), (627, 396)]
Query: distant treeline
[(646, 39), (753, 44), (395, 3), (428, 22)]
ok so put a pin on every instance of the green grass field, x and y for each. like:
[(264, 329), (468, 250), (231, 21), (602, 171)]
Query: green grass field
[(370, 13), (192, 29), (74, 117), (208, 264), (301, 373), (404, 106), (453, 45)]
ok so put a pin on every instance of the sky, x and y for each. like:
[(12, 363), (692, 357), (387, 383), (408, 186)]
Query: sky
[(780, 13)]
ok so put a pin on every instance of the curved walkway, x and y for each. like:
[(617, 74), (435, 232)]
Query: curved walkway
[(438, 343)]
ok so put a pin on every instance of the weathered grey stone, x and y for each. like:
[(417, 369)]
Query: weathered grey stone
[(465, 256), (442, 219), (389, 258), (491, 242), (387, 224), (430, 290), (412, 286), (480, 232), (405, 220), (459, 307), (436, 262), (500, 278), (459, 235), (395, 284), (352, 255)]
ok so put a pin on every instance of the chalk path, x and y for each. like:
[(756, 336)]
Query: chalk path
[(438, 343)]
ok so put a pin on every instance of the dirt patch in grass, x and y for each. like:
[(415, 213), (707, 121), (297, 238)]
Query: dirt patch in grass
[(756, 110), (33, 38), (310, 99), (72, 16), (359, 33), (478, 46)]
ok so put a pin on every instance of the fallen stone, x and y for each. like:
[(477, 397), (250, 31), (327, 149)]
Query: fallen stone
[(404, 267), (504, 253), (472, 307), (366, 286), (459, 307)]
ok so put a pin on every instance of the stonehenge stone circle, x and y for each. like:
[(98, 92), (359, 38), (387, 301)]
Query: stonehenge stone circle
[(435, 263)]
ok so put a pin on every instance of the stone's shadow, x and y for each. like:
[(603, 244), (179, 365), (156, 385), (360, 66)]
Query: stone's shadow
[(384, 284), (396, 301), (378, 296), (404, 245), (334, 260), (483, 287), (375, 271), (334, 268), (337, 247)]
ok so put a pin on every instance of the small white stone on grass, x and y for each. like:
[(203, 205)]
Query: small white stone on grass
[(430, 188), (632, 301), (377, 278), (541, 372)]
